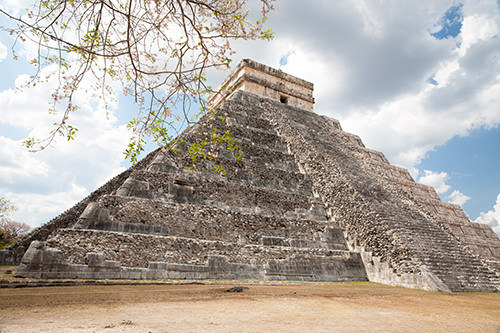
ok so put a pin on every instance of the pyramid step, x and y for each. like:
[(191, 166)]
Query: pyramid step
[(245, 172), (256, 153), (232, 118), (246, 121), (266, 137), (204, 191), (128, 214), (82, 253), (338, 164), (266, 140)]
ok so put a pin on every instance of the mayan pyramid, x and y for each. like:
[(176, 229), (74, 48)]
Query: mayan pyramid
[(308, 202)]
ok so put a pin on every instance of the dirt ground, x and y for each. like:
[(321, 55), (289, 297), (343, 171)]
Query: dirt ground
[(287, 307)]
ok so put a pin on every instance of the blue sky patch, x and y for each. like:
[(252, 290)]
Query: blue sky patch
[(450, 23), (473, 166), (284, 58), (432, 80)]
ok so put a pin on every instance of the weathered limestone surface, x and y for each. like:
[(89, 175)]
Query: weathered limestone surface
[(307, 202)]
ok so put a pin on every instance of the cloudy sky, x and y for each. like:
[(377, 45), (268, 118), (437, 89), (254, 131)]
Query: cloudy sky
[(417, 80)]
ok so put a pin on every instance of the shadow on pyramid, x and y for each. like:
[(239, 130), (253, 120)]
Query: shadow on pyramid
[(307, 202)]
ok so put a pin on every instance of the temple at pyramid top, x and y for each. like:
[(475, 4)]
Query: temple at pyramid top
[(262, 80)]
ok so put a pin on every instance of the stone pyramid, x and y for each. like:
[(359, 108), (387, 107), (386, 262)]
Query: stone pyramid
[(307, 202)]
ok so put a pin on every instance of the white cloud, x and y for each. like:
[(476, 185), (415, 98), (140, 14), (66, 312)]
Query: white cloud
[(28, 108), (436, 180), (45, 183), (476, 28), (316, 71), (492, 217), (16, 4), (36, 208), (443, 73), (19, 164), (458, 198)]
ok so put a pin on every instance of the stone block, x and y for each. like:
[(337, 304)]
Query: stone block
[(134, 188), (162, 163), (272, 241), (218, 263), (7, 258), (39, 254), (182, 193), (333, 235), (95, 259), (123, 227), (157, 265), (495, 251), (305, 243), (481, 250), (318, 210), (171, 267), (95, 213), (315, 268)]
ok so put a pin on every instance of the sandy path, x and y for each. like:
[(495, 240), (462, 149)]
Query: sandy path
[(341, 307)]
